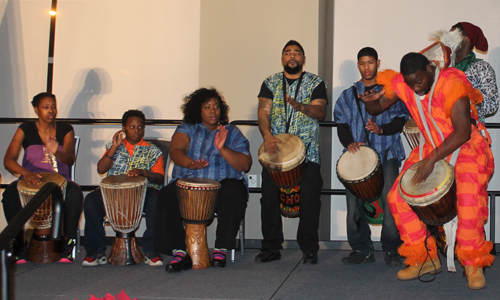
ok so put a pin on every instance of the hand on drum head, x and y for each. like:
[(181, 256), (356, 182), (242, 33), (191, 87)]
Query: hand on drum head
[(373, 127), (220, 137), (295, 104), (271, 144), (32, 178), (198, 164), (52, 145), (136, 172), (424, 169), (354, 147)]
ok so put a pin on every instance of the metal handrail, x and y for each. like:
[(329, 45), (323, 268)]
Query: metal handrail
[(17, 224)]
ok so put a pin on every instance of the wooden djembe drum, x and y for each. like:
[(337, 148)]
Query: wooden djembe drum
[(41, 248), (197, 201), (123, 198)]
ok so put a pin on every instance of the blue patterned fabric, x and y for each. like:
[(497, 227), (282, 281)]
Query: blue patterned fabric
[(346, 111), (145, 157), (301, 125), (201, 147)]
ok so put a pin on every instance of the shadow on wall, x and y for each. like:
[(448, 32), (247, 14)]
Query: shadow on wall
[(12, 68), (149, 112), (89, 88)]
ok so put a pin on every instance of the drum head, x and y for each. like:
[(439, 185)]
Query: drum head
[(436, 185), (292, 153), (198, 182), (123, 180), (46, 177), (411, 126), (359, 165)]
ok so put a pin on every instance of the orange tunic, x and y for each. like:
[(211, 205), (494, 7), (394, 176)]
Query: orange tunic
[(473, 169)]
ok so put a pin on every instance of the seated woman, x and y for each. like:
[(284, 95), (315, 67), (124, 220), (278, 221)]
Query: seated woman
[(204, 146), (42, 141)]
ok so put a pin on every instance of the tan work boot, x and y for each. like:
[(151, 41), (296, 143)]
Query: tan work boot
[(414, 272), (476, 279)]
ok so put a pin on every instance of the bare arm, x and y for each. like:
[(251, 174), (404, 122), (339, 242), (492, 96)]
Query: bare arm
[(377, 102), (12, 155), (106, 162), (67, 155), (179, 147), (460, 119), (237, 160), (315, 110), (151, 176), (264, 122)]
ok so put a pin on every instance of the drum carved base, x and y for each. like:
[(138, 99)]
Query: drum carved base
[(196, 243), (42, 250), (125, 251)]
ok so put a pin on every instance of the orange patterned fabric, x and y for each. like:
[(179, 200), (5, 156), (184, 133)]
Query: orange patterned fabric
[(473, 170)]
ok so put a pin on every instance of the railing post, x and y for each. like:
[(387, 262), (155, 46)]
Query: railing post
[(4, 273)]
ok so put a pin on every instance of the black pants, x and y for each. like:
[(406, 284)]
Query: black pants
[(310, 205), (73, 204), (230, 209)]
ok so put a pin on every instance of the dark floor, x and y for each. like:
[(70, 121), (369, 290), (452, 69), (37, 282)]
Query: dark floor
[(287, 278)]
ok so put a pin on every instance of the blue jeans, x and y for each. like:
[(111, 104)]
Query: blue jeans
[(95, 212), (358, 230)]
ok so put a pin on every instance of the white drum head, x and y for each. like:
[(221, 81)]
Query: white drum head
[(359, 165), (292, 153), (437, 184)]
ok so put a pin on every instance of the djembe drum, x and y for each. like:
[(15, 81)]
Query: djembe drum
[(123, 198), (435, 200), (286, 169), (41, 248), (197, 200), (412, 133), (361, 173)]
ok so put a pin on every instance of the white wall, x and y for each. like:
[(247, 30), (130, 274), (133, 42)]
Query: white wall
[(395, 28)]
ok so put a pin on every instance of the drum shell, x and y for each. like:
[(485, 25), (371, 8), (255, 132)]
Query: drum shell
[(368, 188), (287, 179), (197, 204), (42, 218), (436, 204), (124, 201), (439, 212), (412, 133)]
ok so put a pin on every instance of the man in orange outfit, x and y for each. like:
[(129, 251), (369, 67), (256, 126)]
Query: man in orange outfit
[(455, 115)]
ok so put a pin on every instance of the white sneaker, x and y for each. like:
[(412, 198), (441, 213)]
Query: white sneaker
[(91, 261)]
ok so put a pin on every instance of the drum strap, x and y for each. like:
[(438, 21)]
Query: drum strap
[(367, 134), (454, 155), (285, 84)]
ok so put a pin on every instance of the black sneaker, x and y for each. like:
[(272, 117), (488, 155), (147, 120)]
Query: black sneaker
[(356, 257), (393, 259), (267, 256), (67, 251)]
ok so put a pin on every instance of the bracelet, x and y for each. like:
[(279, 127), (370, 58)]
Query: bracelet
[(152, 177), (108, 156)]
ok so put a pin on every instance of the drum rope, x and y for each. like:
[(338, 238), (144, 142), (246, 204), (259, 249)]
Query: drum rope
[(454, 155)]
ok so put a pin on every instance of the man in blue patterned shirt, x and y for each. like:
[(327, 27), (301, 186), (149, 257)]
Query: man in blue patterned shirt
[(292, 102), (354, 124)]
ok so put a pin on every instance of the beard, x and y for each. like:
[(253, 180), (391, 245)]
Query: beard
[(293, 70)]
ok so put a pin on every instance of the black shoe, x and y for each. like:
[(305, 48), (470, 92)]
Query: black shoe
[(20, 253), (67, 251), (267, 256), (310, 258), (356, 257), (221, 263), (393, 259), (184, 264)]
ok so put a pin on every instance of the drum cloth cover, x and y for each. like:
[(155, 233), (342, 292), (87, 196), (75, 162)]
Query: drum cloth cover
[(42, 218)]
